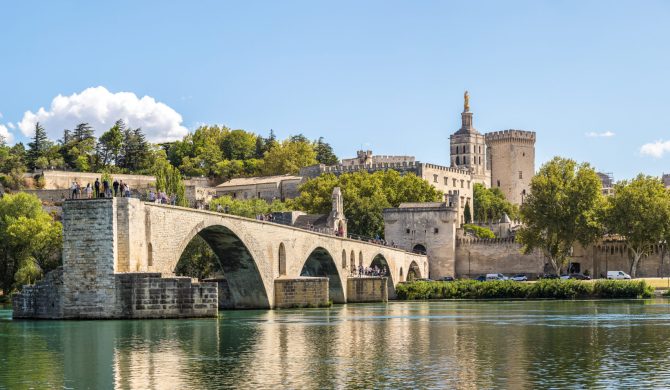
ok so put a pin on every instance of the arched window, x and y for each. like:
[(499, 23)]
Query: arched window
[(282, 259)]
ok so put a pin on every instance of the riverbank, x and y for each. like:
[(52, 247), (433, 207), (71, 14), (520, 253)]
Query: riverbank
[(507, 289)]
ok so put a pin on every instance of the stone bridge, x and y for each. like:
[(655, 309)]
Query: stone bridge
[(120, 255)]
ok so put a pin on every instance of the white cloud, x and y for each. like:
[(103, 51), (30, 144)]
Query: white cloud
[(101, 108), (9, 137), (605, 134), (655, 149)]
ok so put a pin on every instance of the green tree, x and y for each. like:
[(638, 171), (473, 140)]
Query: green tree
[(639, 210), (324, 153), (38, 147), (365, 197), (30, 241), (467, 214), (239, 145), (169, 180), (289, 156), (198, 260), (489, 204), (564, 207), (110, 144)]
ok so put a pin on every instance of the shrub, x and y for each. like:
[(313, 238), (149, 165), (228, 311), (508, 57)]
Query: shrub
[(507, 289), (480, 232)]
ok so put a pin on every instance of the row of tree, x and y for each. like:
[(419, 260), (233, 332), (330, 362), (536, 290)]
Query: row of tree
[(221, 153), (566, 206)]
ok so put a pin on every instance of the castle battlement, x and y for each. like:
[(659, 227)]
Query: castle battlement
[(510, 135), (447, 169)]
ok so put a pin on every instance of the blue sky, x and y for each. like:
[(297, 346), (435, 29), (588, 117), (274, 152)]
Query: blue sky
[(382, 75)]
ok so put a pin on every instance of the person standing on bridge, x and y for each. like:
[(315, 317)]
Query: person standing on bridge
[(96, 186)]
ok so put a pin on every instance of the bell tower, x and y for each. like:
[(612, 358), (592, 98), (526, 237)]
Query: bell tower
[(468, 146)]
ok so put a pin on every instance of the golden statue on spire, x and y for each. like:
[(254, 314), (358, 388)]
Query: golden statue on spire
[(466, 104)]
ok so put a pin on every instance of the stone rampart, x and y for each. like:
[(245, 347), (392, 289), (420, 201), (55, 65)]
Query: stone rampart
[(301, 292), (476, 257), (367, 289)]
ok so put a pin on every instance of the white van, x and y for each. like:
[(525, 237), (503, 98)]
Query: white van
[(617, 275), (496, 277)]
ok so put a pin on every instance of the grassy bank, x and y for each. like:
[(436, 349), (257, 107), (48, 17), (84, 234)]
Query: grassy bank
[(543, 289)]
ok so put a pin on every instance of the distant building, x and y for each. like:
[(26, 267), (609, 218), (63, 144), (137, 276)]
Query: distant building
[(607, 181), (268, 188), (503, 159)]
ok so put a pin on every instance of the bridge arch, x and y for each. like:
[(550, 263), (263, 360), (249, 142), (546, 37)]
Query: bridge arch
[(413, 272), (380, 261), (320, 263), (240, 267)]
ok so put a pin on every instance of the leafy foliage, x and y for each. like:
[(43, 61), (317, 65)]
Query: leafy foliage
[(639, 210), (30, 240), (564, 207), (507, 289), (365, 197), (480, 232), (490, 204)]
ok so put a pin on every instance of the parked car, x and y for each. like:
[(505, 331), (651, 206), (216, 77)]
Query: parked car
[(481, 278), (617, 275), (519, 278), (448, 279), (549, 276), (496, 277), (580, 277)]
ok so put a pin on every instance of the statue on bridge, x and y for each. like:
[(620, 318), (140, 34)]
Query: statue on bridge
[(336, 219)]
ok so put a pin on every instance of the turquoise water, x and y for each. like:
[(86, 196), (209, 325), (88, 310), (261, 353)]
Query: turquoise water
[(445, 344)]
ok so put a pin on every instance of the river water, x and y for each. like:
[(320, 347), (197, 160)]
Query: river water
[(440, 344)]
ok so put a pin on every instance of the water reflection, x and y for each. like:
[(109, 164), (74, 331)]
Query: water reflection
[(539, 344)]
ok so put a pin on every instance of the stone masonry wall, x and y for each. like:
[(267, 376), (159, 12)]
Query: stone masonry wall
[(42, 300), (89, 257), (301, 292), (148, 295), (373, 289), (479, 257)]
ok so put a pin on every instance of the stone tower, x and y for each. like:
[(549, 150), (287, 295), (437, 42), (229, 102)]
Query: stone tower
[(512, 157), (468, 147)]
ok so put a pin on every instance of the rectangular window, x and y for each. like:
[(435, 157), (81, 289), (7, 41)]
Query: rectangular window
[(520, 175)]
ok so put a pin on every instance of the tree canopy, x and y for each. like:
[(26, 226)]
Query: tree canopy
[(490, 204), (365, 197), (639, 211), (30, 241), (564, 207)]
